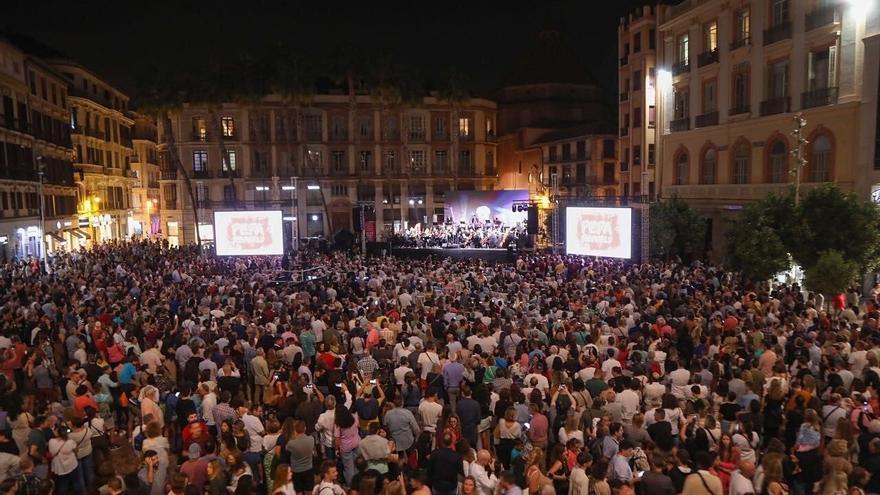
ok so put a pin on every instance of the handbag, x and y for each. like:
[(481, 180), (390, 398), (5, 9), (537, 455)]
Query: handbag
[(100, 441)]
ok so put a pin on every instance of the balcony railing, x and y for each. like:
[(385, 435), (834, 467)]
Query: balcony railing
[(440, 136), (681, 67), (678, 125), (741, 42), (819, 97), (170, 174), (774, 106), (202, 174), (491, 171), (706, 119), (416, 137), (199, 136), (230, 173), (624, 96), (491, 137), (707, 58), (624, 131), (390, 135), (624, 166), (466, 170), (169, 205), (779, 32), (153, 184), (440, 169), (820, 17), (261, 173), (739, 109), (338, 136), (624, 60)]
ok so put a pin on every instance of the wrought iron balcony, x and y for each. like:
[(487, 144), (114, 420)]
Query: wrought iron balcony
[(774, 106), (202, 174), (819, 97), (624, 131), (779, 32), (681, 67), (678, 125), (820, 17), (707, 58), (739, 109), (739, 43), (624, 60), (624, 96), (706, 119), (168, 174)]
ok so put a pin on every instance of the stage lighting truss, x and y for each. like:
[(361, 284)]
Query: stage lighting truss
[(520, 206)]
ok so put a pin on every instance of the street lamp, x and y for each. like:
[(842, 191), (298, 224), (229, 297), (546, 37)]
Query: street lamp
[(43, 257), (798, 153)]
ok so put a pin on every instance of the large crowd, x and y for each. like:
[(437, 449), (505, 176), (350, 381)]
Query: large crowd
[(481, 235), (134, 368)]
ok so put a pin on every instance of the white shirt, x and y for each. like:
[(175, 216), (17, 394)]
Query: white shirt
[(429, 413), (740, 485), (324, 427), (630, 401), (400, 373), (679, 380), (254, 428), (63, 456), (485, 483), (427, 360), (208, 403)]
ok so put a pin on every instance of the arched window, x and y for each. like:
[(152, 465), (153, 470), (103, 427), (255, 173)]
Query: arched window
[(778, 166), (709, 166), (742, 164), (820, 161), (681, 168)]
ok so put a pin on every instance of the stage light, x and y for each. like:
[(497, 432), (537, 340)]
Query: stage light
[(262, 188), (421, 202), (664, 79), (289, 219), (287, 188), (313, 187), (314, 218), (412, 202)]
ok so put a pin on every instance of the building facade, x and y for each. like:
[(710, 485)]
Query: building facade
[(103, 149), (34, 146), (320, 162), (637, 116), (586, 164), (730, 77), (145, 212)]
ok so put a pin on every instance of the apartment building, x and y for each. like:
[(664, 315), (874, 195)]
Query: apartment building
[(145, 212), (319, 163), (730, 76), (585, 162), (34, 145), (101, 135), (637, 78)]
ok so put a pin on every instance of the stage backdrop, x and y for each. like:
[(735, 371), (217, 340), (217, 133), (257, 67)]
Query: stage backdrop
[(485, 205), (599, 232)]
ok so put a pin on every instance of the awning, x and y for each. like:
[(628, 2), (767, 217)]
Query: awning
[(79, 233), (55, 236)]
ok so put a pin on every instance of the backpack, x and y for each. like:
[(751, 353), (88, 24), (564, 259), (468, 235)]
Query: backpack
[(595, 448)]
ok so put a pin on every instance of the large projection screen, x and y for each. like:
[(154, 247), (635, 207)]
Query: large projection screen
[(482, 206), (603, 232), (248, 233)]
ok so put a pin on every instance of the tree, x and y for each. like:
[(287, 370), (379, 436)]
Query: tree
[(838, 221), (676, 230), (831, 273), (757, 252), (159, 95)]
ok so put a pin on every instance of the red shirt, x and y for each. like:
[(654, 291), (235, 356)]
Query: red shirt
[(82, 402)]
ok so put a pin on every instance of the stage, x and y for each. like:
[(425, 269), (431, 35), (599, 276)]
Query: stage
[(493, 255)]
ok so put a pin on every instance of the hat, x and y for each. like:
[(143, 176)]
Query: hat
[(195, 451)]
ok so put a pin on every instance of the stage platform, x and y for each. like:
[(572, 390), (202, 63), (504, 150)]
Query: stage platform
[(493, 255)]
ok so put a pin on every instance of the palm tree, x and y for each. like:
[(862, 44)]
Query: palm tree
[(454, 91), (159, 96)]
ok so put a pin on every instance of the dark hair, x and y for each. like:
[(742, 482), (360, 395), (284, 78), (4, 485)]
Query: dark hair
[(343, 417)]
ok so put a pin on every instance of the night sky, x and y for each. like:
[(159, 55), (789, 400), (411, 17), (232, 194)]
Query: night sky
[(490, 42)]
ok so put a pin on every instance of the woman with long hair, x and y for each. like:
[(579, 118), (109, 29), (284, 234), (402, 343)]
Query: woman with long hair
[(282, 481), (559, 470), (216, 479), (451, 425), (570, 429), (346, 437), (536, 480), (774, 401), (469, 486), (598, 483), (507, 431), (728, 454), (807, 449)]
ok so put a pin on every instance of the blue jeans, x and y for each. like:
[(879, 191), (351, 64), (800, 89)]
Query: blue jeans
[(348, 467), (70, 483), (87, 470)]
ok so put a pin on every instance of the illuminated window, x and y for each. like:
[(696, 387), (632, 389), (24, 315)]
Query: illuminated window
[(464, 126), (227, 125), (229, 163), (710, 36), (200, 161)]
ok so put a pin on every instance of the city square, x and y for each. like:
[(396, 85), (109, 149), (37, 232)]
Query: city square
[(552, 249)]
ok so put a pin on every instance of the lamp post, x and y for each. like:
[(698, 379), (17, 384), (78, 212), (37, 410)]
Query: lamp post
[(798, 153), (43, 256)]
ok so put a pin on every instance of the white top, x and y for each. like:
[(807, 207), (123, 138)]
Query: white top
[(63, 456), (255, 430)]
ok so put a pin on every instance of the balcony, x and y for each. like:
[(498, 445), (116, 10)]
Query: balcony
[(820, 17), (390, 135), (339, 136), (624, 96), (624, 60), (706, 120), (226, 174), (624, 131), (681, 67), (491, 171), (199, 135), (153, 184), (466, 138), (466, 171), (230, 136), (169, 174), (775, 106), (169, 205), (261, 173), (416, 137), (678, 125), (738, 110), (819, 97), (739, 43), (491, 137), (202, 174), (96, 133), (440, 170), (707, 58), (779, 32), (440, 136), (624, 166)]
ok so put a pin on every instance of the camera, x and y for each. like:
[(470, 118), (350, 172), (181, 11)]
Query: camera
[(373, 381)]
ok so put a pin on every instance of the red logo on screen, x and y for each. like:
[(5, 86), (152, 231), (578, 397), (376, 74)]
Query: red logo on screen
[(598, 232), (249, 234)]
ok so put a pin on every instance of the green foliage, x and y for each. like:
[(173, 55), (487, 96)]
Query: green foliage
[(676, 230), (772, 232), (831, 273), (839, 221)]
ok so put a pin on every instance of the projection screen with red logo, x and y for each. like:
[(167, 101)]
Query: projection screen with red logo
[(603, 232), (248, 233)]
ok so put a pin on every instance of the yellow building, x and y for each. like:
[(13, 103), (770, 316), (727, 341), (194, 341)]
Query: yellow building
[(144, 218), (637, 116), (34, 145), (401, 161), (731, 74), (101, 134)]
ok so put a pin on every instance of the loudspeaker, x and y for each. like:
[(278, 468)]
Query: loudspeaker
[(356, 219), (532, 224)]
